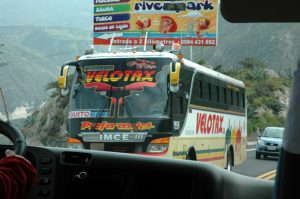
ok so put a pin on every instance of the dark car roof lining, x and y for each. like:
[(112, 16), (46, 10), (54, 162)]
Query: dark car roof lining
[(248, 11), (210, 181)]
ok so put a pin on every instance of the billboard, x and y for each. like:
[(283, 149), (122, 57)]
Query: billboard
[(190, 23)]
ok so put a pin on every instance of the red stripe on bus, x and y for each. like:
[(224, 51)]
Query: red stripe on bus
[(211, 159)]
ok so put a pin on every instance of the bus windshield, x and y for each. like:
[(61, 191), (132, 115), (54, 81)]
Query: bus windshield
[(123, 88)]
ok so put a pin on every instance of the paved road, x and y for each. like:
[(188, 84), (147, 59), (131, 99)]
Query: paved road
[(256, 168)]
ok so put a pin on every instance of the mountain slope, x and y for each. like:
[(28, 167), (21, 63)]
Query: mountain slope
[(68, 14), (34, 54), (32, 58), (275, 44)]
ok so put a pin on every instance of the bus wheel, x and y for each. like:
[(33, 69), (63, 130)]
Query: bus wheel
[(191, 154), (229, 161)]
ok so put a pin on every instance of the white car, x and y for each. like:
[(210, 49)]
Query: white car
[(269, 143)]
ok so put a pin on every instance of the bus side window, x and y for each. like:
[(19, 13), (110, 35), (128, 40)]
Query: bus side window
[(200, 90), (218, 94), (243, 99), (209, 90), (237, 99), (231, 97), (225, 95)]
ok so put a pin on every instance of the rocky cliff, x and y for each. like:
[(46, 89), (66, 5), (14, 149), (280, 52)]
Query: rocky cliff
[(47, 125)]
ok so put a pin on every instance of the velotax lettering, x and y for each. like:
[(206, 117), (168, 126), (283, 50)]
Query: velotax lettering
[(209, 123), (114, 76)]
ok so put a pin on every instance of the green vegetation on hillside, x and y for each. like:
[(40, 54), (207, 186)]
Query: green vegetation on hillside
[(31, 58), (264, 90)]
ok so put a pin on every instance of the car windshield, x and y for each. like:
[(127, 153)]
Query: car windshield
[(147, 78), (273, 132)]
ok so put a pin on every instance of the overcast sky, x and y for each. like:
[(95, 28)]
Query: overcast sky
[(65, 13)]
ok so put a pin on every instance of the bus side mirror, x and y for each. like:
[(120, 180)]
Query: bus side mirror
[(174, 76), (62, 80)]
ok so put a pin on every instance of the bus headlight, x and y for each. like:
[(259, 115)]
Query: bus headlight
[(158, 145), (74, 143)]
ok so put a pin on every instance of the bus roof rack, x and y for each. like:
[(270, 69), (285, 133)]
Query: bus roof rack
[(159, 47), (90, 50), (128, 48)]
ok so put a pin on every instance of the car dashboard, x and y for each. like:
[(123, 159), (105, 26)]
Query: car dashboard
[(71, 173)]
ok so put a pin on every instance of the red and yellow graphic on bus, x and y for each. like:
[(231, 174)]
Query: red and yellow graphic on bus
[(106, 126), (125, 76), (134, 75)]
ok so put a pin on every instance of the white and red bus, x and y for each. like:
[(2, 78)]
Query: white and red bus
[(156, 103)]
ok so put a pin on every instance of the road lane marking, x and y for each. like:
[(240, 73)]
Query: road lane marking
[(268, 175), (271, 176), (251, 149)]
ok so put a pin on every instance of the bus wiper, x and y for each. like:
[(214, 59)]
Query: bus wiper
[(101, 110), (76, 89), (129, 112), (79, 82)]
